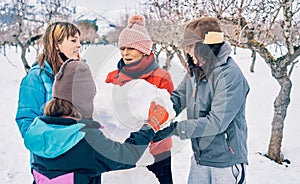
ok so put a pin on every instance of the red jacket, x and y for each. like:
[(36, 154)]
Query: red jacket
[(158, 77), (161, 79)]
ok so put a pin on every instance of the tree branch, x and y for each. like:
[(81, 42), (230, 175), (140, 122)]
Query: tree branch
[(292, 67)]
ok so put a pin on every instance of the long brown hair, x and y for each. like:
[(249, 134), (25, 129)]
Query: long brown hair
[(209, 54), (54, 35), (59, 107)]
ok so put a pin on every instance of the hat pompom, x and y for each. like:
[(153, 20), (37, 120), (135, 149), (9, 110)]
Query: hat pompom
[(137, 19)]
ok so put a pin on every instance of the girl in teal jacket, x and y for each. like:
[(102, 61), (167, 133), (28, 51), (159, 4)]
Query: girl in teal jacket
[(60, 43)]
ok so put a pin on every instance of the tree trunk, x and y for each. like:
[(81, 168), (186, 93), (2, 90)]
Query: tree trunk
[(24, 60), (4, 50), (179, 55), (156, 52), (170, 56), (283, 99), (253, 61), (280, 108)]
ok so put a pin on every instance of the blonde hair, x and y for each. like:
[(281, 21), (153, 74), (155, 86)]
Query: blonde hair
[(59, 107), (54, 35)]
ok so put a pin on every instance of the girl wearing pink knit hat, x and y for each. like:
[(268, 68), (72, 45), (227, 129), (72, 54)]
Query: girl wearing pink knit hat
[(138, 62)]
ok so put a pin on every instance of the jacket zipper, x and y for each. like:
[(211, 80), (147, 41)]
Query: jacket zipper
[(195, 97)]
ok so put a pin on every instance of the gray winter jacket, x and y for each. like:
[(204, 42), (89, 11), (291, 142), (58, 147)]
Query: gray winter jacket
[(216, 121)]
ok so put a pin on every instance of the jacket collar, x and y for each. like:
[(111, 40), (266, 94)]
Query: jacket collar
[(89, 123), (51, 140), (223, 54)]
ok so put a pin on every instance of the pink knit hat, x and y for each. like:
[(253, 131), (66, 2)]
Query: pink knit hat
[(135, 35)]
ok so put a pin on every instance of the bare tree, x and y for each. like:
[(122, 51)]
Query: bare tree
[(88, 30), (281, 74), (257, 35), (112, 36), (253, 25), (167, 36), (25, 20), (166, 21)]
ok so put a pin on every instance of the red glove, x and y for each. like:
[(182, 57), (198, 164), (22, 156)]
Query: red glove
[(157, 116)]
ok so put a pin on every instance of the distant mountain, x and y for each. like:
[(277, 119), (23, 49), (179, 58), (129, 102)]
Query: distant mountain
[(106, 20)]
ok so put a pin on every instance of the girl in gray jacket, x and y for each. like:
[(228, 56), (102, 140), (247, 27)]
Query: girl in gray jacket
[(214, 93)]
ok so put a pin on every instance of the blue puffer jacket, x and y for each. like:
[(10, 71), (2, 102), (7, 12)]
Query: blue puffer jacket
[(35, 91)]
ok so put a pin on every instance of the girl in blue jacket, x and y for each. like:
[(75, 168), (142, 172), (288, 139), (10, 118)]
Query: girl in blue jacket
[(60, 43), (68, 121)]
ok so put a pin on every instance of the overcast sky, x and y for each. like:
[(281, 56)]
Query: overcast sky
[(107, 4)]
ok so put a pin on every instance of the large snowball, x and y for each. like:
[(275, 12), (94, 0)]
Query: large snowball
[(122, 110)]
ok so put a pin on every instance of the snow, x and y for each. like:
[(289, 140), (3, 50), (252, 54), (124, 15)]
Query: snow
[(14, 158), (122, 110)]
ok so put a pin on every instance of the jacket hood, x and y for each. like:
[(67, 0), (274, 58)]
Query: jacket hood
[(52, 140), (223, 54), (46, 68)]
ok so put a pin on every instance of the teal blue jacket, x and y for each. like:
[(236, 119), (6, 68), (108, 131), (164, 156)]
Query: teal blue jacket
[(90, 155), (35, 90)]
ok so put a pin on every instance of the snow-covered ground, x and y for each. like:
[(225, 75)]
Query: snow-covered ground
[(14, 158)]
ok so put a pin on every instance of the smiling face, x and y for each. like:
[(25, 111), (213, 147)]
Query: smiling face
[(130, 55), (70, 46)]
